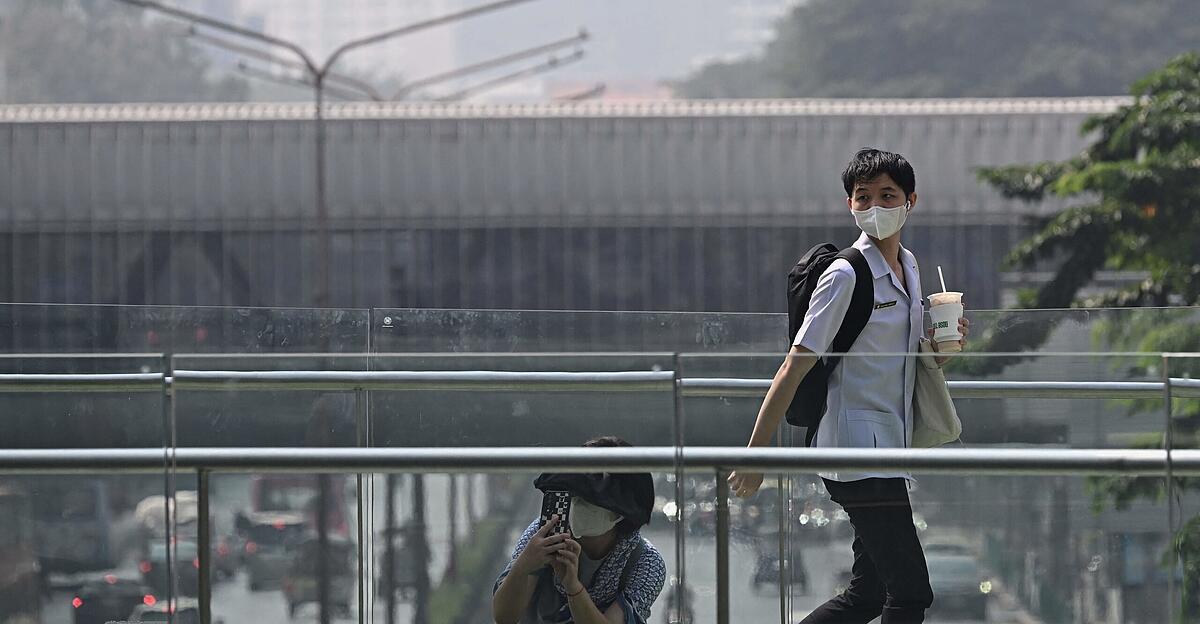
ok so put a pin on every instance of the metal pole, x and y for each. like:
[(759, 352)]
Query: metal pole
[(299, 83), (783, 511), (389, 556), (420, 546), (680, 527), (364, 486), (321, 296), (204, 545), (263, 55), (323, 549), (551, 64), (489, 64), (168, 410), (722, 547), (1169, 489)]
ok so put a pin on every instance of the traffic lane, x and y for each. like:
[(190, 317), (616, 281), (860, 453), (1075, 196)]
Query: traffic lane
[(822, 565)]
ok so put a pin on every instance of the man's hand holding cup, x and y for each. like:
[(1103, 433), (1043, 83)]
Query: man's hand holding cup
[(950, 327)]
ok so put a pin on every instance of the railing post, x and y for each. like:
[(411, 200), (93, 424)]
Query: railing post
[(1168, 487), (680, 526), (722, 547), (204, 545)]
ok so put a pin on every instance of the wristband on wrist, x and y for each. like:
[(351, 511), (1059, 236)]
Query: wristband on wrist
[(581, 588)]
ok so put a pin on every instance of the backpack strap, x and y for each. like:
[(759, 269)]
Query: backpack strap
[(862, 303), (631, 563)]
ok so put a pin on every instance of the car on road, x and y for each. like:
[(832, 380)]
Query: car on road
[(960, 585), (109, 599), (270, 542), (300, 580), (180, 611), (184, 565), (766, 572)]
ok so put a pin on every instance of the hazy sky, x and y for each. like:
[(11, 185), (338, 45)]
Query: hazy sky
[(635, 45)]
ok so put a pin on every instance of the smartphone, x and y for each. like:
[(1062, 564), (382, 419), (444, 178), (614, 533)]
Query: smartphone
[(557, 502)]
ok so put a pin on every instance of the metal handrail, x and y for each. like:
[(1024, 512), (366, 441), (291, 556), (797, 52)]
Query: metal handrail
[(82, 382), (640, 381), (1189, 388), (991, 461), (425, 380)]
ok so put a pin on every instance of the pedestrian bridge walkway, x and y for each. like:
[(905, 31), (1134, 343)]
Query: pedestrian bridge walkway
[(413, 436)]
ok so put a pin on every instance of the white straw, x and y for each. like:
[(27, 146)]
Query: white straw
[(943, 278)]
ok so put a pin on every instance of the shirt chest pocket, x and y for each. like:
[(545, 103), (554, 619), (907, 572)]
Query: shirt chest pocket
[(887, 329), (872, 429)]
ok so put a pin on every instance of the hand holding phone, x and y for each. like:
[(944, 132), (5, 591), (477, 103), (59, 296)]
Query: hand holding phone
[(553, 535), (557, 503)]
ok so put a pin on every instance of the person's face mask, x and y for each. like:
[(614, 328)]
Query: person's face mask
[(588, 520), (879, 222)]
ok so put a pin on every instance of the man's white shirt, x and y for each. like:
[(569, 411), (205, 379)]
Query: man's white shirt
[(870, 396)]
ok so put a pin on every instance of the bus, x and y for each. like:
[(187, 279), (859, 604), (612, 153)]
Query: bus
[(73, 523), (20, 573), (298, 493)]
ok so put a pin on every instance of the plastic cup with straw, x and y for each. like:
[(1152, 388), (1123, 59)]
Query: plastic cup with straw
[(945, 309)]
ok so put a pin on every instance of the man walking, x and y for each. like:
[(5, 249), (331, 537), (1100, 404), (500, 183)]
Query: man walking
[(869, 400)]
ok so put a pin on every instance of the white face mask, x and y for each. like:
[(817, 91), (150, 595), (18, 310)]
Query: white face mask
[(879, 222), (588, 520)]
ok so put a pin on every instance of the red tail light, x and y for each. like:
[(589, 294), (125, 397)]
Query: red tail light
[(223, 549), (196, 563), (251, 547), (78, 602), (145, 567), (149, 600), (111, 579)]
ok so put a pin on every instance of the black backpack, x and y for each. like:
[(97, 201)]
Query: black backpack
[(808, 405)]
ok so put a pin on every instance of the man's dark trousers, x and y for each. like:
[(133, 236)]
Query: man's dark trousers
[(889, 576)]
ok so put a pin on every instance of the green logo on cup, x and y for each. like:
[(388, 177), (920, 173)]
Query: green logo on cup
[(941, 325)]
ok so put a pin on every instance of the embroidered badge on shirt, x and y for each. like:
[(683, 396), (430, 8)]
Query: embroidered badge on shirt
[(880, 306)]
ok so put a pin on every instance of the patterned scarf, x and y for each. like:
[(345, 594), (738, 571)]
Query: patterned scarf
[(607, 579), (604, 583)]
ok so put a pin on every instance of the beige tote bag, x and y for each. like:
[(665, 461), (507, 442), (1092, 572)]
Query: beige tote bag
[(935, 421)]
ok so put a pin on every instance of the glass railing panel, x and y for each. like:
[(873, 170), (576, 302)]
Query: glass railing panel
[(52, 328), (268, 530), (452, 537), (495, 400), (1118, 405), (499, 331), (420, 330), (468, 399), (72, 543)]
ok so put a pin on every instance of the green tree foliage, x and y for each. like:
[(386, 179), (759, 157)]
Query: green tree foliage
[(964, 48), (1137, 208), (101, 51)]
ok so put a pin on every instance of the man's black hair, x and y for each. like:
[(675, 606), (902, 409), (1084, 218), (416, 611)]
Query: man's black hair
[(868, 164)]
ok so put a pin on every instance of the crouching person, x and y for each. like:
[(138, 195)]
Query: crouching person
[(600, 570)]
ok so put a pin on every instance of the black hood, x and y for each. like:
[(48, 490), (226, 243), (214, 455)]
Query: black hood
[(631, 495)]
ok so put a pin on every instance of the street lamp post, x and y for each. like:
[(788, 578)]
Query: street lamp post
[(347, 81), (300, 83), (318, 74)]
